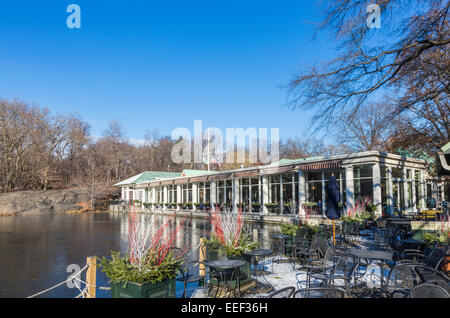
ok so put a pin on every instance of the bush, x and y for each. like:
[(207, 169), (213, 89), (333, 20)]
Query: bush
[(244, 244), (441, 237), (120, 270), (288, 228)]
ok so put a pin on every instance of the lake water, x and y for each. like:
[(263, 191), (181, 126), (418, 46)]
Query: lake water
[(36, 250)]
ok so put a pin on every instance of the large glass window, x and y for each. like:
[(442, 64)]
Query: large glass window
[(220, 192), (384, 189), (187, 193), (314, 187), (207, 192), (315, 192), (255, 189), (274, 189), (169, 194), (159, 195), (363, 182), (245, 191), (201, 192), (418, 192), (397, 173), (409, 187), (224, 191), (288, 192), (229, 191)]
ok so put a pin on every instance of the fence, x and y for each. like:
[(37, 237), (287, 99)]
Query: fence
[(90, 283)]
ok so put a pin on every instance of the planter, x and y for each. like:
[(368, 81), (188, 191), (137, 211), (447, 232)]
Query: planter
[(164, 289), (288, 241), (446, 265), (256, 208), (273, 209), (245, 271)]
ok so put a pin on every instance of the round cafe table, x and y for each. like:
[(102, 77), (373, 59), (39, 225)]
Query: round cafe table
[(256, 256), (225, 279)]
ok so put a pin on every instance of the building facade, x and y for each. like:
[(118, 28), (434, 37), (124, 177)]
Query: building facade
[(390, 182)]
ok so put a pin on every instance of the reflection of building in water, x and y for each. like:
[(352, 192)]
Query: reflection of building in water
[(191, 229)]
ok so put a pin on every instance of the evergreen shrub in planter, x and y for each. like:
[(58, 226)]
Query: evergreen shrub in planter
[(230, 241), (149, 268)]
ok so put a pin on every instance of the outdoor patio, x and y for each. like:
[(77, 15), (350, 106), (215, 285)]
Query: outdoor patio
[(382, 259)]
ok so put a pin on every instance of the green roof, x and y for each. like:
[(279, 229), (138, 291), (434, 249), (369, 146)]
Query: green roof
[(194, 173), (287, 161), (446, 149), (148, 176)]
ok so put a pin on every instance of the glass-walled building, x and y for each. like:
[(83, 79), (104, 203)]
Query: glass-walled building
[(390, 182)]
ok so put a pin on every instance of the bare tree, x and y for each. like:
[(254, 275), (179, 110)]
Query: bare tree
[(427, 102), (370, 129), (370, 59), (92, 181), (18, 121)]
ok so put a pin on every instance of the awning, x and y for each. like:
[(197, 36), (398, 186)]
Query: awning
[(181, 181), (199, 179), (219, 176), (320, 165), (167, 182), (246, 174), (276, 170)]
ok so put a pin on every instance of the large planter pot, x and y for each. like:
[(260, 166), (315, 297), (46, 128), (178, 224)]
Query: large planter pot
[(215, 255), (288, 241), (446, 265), (164, 289), (273, 209), (246, 270)]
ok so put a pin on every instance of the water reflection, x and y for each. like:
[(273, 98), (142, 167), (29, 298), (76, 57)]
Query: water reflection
[(35, 250)]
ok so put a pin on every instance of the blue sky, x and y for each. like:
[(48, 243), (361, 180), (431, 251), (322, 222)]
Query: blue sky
[(162, 64)]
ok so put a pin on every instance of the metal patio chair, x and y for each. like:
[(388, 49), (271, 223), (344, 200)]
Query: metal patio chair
[(321, 292), (429, 290), (434, 259), (401, 279), (282, 293)]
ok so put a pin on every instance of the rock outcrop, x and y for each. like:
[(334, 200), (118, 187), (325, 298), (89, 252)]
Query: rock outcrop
[(50, 201)]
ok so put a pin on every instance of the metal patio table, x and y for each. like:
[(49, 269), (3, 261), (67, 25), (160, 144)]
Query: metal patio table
[(371, 255), (222, 265), (413, 244), (261, 254), (400, 227), (281, 238)]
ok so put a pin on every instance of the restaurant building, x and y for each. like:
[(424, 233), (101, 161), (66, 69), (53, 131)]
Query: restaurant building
[(390, 182)]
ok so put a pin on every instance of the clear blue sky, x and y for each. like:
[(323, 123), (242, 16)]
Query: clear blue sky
[(161, 64)]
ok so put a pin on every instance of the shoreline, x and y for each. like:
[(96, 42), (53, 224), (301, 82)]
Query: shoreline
[(247, 217)]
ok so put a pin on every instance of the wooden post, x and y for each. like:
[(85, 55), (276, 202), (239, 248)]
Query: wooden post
[(255, 235), (202, 257), (91, 276), (334, 233)]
